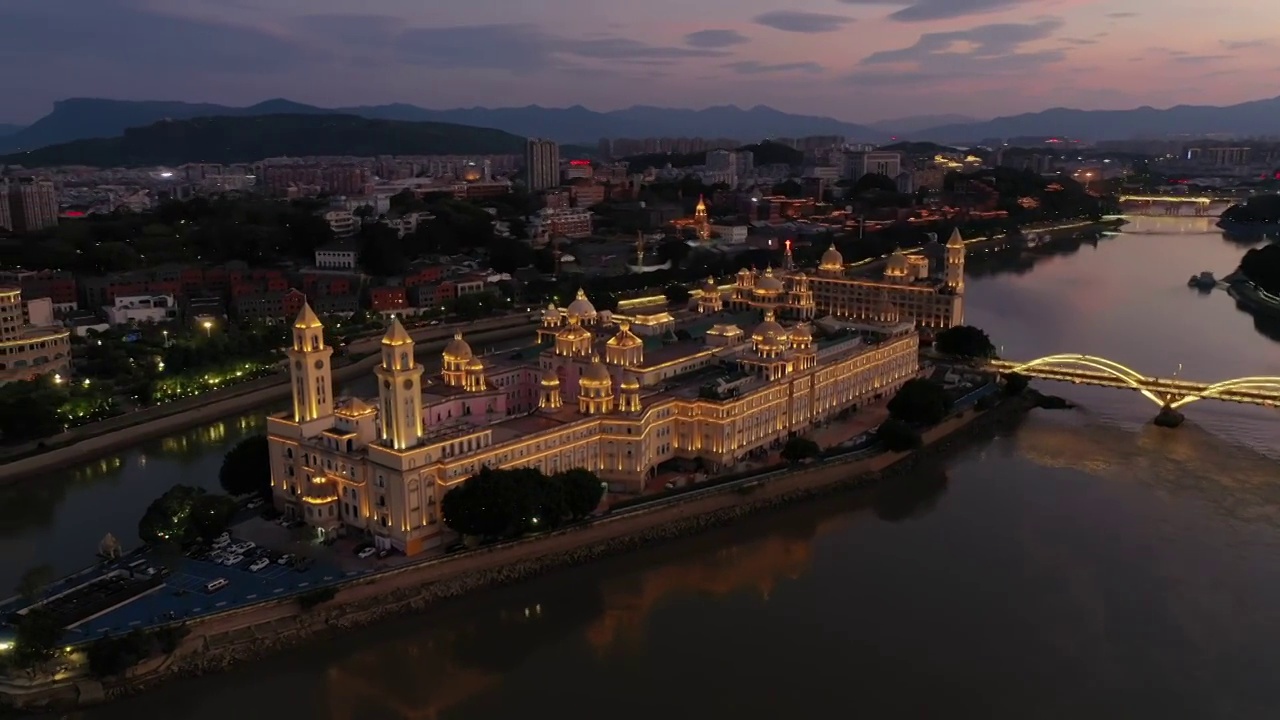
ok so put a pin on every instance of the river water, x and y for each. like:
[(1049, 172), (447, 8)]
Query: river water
[(1086, 564)]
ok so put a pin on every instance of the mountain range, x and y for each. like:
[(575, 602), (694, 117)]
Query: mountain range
[(6, 129), (222, 139), (81, 118), (916, 123), (1254, 118)]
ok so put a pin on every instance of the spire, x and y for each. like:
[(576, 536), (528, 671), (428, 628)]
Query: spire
[(956, 240), (307, 319), (702, 204), (396, 334)]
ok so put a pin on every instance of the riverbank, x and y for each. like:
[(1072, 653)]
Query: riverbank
[(259, 631), (103, 438), (1252, 297)]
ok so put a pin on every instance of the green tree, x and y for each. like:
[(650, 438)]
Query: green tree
[(246, 468), (897, 436), (184, 514), (1015, 383), (37, 638), (33, 580), (920, 401), (582, 490), (798, 449), (965, 341)]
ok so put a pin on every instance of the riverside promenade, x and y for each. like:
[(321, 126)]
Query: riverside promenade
[(113, 434)]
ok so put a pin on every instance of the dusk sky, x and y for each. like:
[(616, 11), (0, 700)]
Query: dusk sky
[(858, 60)]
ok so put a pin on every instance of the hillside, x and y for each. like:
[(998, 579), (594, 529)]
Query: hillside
[(1251, 118), (245, 139), (83, 118), (6, 129)]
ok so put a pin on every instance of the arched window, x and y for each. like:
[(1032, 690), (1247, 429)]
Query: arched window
[(404, 360)]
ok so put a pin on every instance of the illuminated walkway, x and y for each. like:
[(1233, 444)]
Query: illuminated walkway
[(1165, 392)]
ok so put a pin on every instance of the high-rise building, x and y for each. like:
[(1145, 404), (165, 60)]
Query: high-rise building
[(33, 205), (541, 164)]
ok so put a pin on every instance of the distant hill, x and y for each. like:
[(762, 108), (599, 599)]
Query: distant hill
[(82, 118), (6, 129), (915, 123), (244, 139), (1258, 117)]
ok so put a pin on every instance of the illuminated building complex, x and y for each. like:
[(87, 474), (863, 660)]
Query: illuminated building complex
[(907, 285), (600, 397), (30, 350)]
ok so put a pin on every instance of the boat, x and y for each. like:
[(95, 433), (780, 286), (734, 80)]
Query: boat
[(1204, 281)]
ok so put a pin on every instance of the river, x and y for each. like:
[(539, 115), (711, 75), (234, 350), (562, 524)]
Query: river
[(1086, 564)]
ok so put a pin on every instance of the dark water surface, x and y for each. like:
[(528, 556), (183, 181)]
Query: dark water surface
[(1085, 565)]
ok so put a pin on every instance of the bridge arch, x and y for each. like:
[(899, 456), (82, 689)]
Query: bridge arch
[(1129, 376), (1218, 390)]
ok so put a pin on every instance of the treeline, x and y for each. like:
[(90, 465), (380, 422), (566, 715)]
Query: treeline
[(494, 504)]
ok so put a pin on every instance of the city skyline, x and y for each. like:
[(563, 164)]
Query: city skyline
[(856, 60)]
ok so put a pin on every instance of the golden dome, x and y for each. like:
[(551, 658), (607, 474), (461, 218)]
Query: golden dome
[(769, 332), (574, 330), (768, 283), (802, 331), (709, 286), (550, 378), (475, 364), (457, 349), (581, 307), (832, 259), (897, 261), (630, 383), (798, 275), (596, 375), (551, 311), (625, 338)]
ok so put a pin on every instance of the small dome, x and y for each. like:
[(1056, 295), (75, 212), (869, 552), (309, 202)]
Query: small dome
[(768, 283), (574, 330), (630, 383), (551, 311), (797, 275), (549, 377), (581, 307), (897, 261), (625, 338), (709, 286), (475, 364), (802, 331), (596, 373), (832, 259), (768, 332), (457, 349)]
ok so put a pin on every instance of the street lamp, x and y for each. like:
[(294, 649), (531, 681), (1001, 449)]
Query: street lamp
[(208, 329), (166, 337)]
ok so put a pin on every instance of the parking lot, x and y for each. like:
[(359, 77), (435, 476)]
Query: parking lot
[(184, 596)]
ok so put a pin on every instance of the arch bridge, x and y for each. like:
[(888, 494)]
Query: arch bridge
[(1167, 393)]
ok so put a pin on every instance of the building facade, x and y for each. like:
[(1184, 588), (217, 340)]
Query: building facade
[(930, 300), (27, 351), (541, 165), (600, 398), (33, 204)]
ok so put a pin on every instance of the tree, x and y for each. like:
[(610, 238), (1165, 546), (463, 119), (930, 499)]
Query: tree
[(965, 341), (920, 401), (34, 580), (582, 491), (246, 468), (1015, 383), (897, 436), (798, 449), (37, 637), (677, 294), (184, 514), (875, 182)]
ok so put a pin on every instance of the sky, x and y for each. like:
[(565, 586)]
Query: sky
[(857, 60)]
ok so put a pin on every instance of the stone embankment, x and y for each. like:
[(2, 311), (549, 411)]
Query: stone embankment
[(415, 589)]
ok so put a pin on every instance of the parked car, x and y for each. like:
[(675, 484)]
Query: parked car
[(259, 564), (285, 559), (367, 552), (221, 540), (235, 559)]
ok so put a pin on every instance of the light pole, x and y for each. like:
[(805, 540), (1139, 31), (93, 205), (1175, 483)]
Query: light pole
[(208, 329), (166, 337)]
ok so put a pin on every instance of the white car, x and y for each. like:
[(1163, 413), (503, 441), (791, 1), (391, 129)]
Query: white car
[(221, 540), (235, 559), (285, 559), (259, 564), (367, 553), (243, 547)]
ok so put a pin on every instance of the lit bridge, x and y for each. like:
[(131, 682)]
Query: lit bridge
[(1198, 199), (1171, 393)]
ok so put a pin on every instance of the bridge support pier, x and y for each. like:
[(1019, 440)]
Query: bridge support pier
[(1168, 417)]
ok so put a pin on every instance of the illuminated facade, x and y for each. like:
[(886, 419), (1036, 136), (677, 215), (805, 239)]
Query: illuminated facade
[(26, 351), (600, 396), (908, 285)]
